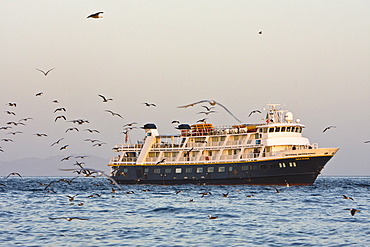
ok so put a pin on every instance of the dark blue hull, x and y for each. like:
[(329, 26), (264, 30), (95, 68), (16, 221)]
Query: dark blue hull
[(292, 171)]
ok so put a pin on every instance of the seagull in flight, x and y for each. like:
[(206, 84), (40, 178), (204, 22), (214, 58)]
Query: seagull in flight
[(96, 15), (56, 142), (104, 98), (329, 127), (254, 111), (114, 113), (149, 104), (353, 211), (212, 103), (206, 112), (13, 173), (45, 73)]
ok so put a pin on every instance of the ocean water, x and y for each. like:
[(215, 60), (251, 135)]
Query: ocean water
[(157, 216)]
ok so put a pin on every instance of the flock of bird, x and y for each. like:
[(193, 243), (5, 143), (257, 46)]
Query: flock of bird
[(89, 172)]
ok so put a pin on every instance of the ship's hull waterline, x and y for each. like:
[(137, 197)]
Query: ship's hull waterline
[(289, 171)]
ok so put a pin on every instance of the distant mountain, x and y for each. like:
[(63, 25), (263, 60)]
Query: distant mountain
[(50, 166)]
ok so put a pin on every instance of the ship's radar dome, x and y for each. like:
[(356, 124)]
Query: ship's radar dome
[(289, 117), (298, 120)]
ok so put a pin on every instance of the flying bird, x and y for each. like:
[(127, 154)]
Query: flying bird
[(276, 190), (206, 112), (25, 119), (81, 157), (114, 114), (188, 152), (12, 104), (10, 112), (161, 161), (7, 140), (92, 130), (14, 133), (64, 147), (70, 129), (329, 127), (175, 122), (347, 197), (66, 158), (60, 109), (149, 104), (71, 198), (56, 142), (353, 211), (39, 94), (104, 98), (99, 144), (96, 15), (208, 108), (254, 111), (59, 117), (98, 173), (45, 73), (129, 124), (40, 134), (212, 103), (13, 173), (260, 32)]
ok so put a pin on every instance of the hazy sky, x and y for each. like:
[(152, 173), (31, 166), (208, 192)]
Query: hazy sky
[(313, 57)]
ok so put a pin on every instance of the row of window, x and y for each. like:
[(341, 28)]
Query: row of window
[(282, 129), (211, 169)]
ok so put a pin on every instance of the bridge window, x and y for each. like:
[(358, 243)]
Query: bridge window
[(283, 129), (271, 130)]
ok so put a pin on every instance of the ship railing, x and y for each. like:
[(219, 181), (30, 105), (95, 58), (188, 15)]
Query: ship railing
[(128, 146), (272, 154), (214, 144), (207, 158), (249, 156), (122, 160), (229, 157), (234, 143), (182, 159), (166, 145), (194, 144)]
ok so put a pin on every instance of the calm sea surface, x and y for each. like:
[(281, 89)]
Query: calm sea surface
[(157, 216)]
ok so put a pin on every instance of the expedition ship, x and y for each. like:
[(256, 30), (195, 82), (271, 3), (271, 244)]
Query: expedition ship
[(272, 152)]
